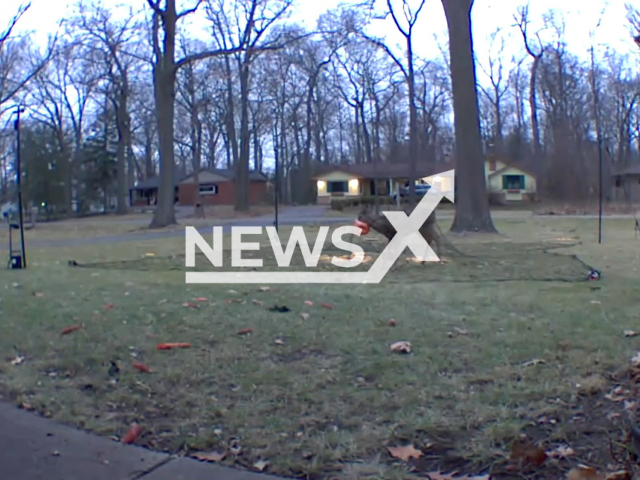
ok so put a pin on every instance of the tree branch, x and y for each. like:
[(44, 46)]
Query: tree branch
[(189, 11)]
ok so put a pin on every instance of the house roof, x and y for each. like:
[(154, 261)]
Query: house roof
[(230, 174), (513, 166), (383, 170), (153, 182)]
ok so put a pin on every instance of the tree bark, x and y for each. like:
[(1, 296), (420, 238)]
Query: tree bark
[(472, 202)]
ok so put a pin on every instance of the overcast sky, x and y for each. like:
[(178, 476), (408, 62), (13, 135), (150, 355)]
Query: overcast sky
[(580, 18)]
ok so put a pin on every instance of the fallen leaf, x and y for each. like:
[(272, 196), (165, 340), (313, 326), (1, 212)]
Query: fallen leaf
[(401, 347), (260, 465), (523, 449), (279, 341), (616, 395), (392, 322), (258, 302), (404, 453), (70, 329), (26, 406), (619, 475), (141, 367), (460, 331), (562, 451), (630, 333), (328, 306), (307, 302), (169, 346), (108, 306), (304, 316), (149, 254), (264, 289), (234, 446), (582, 472), (209, 456), (245, 331), (18, 360), (189, 305), (534, 362), (202, 299), (132, 435), (450, 476), (233, 292), (38, 294), (636, 359), (629, 405)]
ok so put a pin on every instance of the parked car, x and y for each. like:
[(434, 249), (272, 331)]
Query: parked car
[(421, 191)]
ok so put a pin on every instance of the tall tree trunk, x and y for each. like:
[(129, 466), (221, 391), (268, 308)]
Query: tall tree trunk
[(164, 72), (472, 202), (242, 167), (164, 213)]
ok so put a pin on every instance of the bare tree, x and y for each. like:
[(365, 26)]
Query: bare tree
[(15, 72), (536, 53), (408, 70), (472, 203)]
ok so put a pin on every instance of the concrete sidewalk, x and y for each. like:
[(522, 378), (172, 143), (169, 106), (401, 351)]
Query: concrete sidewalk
[(34, 448)]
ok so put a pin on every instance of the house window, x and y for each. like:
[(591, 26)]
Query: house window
[(209, 189), (337, 187), (513, 182)]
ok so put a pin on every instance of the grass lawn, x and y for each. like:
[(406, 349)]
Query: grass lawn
[(520, 348), (115, 225)]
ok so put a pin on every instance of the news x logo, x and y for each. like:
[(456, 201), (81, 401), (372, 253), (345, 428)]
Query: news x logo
[(407, 236)]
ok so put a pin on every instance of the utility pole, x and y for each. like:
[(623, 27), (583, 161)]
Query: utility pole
[(16, 126)]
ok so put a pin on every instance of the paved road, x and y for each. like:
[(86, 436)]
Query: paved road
[(304, 215)]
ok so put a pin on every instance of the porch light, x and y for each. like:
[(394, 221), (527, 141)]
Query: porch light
[(437, 179), (321, 184), (353, 183)]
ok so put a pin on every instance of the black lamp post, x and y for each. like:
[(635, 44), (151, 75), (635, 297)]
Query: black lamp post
[(16, 126)]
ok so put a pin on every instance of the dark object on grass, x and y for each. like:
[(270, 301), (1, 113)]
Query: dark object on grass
[(594, 275), (282, 309), (114, 370), (73, 263)]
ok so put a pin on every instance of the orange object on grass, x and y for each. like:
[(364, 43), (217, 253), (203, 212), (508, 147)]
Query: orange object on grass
[(133, 434), (70, 329), (169, 346), (141, 367), (363, 226)]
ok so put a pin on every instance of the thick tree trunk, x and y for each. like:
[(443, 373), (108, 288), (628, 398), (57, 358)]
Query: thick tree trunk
[(164, 214), (472, 202), (242, 166), (121, 122)]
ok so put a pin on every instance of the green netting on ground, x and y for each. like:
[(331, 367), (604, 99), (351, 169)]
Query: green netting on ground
[(491, 262)]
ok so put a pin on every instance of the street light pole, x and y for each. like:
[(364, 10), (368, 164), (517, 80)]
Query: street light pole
[(16, 126)]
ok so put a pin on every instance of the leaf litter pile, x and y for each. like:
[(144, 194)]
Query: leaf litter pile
[(323, 382), (486, 262)]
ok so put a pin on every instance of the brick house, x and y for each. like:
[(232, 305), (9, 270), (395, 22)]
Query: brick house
[(145, 192), (218, 187)]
